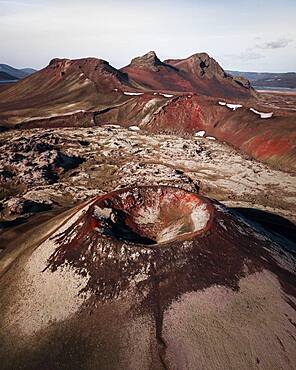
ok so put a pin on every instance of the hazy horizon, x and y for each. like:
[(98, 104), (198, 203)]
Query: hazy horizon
[(254, 36)]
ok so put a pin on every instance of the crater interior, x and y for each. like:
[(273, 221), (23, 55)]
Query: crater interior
[(151, 215)]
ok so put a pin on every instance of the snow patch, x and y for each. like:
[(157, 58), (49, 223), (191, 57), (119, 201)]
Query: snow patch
[(134, 128), (211, 138), (262, 114), (163, 94), (167, 95), (132, 93), (230, 105), (233, 106), (200, 133)]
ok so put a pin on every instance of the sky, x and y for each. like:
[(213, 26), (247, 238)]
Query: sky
[(251, 35)]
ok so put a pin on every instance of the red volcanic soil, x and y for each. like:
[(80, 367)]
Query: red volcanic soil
[(271, 140), (263, 147), (184, 114), (148, 266), (198, 73)]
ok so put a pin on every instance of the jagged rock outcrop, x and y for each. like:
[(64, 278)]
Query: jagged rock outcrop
[(199, 73), (242, 80), (148, 61), (199, 64)]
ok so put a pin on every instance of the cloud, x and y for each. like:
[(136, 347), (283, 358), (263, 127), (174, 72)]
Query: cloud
[(278, 44), (246, 55), (250, 55)]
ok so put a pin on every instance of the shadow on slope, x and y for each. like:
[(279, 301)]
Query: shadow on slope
[(274, 224)]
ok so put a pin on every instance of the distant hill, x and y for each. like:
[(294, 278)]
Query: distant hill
[(6, 77), (8, 73), (265, 79), (28, 71)]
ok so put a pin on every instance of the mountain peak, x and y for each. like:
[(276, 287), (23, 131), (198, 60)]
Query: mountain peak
[(202, 55), (60, 62), (206, 66), (148, 61), (88, 65)]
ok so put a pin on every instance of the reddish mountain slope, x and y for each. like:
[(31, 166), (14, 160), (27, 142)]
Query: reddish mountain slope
[(270, 140), (70, 86), (68, 74), (64, 86), (198, 73)]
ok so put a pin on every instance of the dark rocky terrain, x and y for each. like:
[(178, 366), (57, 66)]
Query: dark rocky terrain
[(60, 167)]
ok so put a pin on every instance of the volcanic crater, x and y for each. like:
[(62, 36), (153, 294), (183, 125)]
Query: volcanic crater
[(151, 215), (130, 235)]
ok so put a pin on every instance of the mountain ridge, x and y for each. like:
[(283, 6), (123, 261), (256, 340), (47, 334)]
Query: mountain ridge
[(256, 79), (198, 73)]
